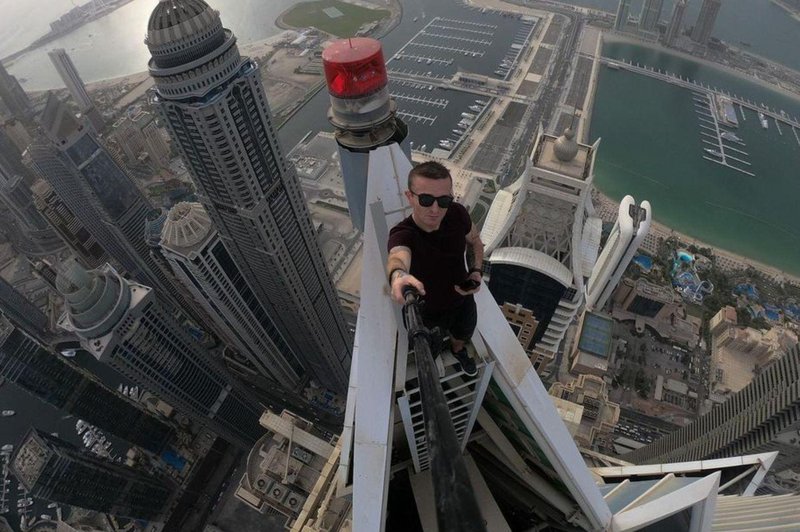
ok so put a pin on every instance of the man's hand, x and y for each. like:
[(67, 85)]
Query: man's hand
[(476, 276), (400, 281)]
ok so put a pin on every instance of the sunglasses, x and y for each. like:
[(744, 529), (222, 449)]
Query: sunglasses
[(426, 200)]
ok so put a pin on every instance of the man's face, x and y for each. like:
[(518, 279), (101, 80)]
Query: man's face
[(428, 218)]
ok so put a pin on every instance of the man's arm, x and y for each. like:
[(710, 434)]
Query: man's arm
[(397, 268), (474, 249), (474, 260)]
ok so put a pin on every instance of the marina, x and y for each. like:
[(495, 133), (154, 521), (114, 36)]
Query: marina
[(423, 75), (709, 109), (676, 79)]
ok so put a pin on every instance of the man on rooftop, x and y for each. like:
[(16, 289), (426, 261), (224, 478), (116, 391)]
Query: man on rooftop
[(437, 235)]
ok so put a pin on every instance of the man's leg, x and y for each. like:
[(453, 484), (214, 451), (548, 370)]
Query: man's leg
[(461, 332)]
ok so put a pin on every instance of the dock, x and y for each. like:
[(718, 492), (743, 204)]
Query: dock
[(796, 137), (700, 87), (711, 135)]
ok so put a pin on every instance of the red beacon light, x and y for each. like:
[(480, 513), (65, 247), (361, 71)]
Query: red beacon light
[(357, 82), (354, 68)]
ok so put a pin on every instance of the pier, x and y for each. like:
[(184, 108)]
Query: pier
[(710, 134), (676, 79), (796, 137), (440, 103), (417, 118)]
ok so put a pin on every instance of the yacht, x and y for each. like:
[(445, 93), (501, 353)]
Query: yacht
[(8, 413), (481, 102), (7, 447), (763, 120), (476, 108), (446, 144), (727, 135), (468, 116), (458, 131), (715, 153)]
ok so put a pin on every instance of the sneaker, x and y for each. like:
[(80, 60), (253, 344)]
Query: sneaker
[(466, 363), (437, 360)]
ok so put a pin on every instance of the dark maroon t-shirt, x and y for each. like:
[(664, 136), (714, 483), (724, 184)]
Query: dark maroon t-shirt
[(437, 258)]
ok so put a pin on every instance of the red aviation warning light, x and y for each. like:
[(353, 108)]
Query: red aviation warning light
[(362, 111), (354, 67), (358, 84)]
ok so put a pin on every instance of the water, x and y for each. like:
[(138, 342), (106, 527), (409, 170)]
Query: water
[(651, 149), (769, 30), (113, 46)]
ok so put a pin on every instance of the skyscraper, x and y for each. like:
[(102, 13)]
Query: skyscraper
[(630, 229), (651, 12), (214, 105), (25, 226), (122, 324), (623, 10), (54, 380), (22, 313), (199, 259), (13, 96), (55, 470), (675, 22), (79, 239), (764, 416), (541, 241), (103, 198), (705, 21), (72, 80)]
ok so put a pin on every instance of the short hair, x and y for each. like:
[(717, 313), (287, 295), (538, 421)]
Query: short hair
[(429, 170)]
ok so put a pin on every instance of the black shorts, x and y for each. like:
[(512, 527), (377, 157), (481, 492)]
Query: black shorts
[(460, 322)]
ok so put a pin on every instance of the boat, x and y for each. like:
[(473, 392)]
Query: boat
[(458, 131), (24, 503), (7, 413), (52, 505), (468, 116), (715, 153), (727, 135), (69, 353), (476, 108), (763, 120), (446, 144), (613, 66), (481, 102), (415, 19), (430, 87)]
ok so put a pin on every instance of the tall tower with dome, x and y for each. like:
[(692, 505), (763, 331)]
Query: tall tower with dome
[(213, 103)]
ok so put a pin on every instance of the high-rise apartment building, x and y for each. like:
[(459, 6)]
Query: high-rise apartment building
[(705, 21), (621, 19), (25, 226), (103, 198), (214, 105), (72, 80), (199, 259), (55, 470), (74, 234), (537, 236), (13, 96), (764, 416), (141, 140), (56, 381), (651, 12), (628, 233), (675, 23), (123, 325), (22, 313)]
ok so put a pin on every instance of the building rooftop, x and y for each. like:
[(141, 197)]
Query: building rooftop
[(187, 226), (596, 335), (552, 154)]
